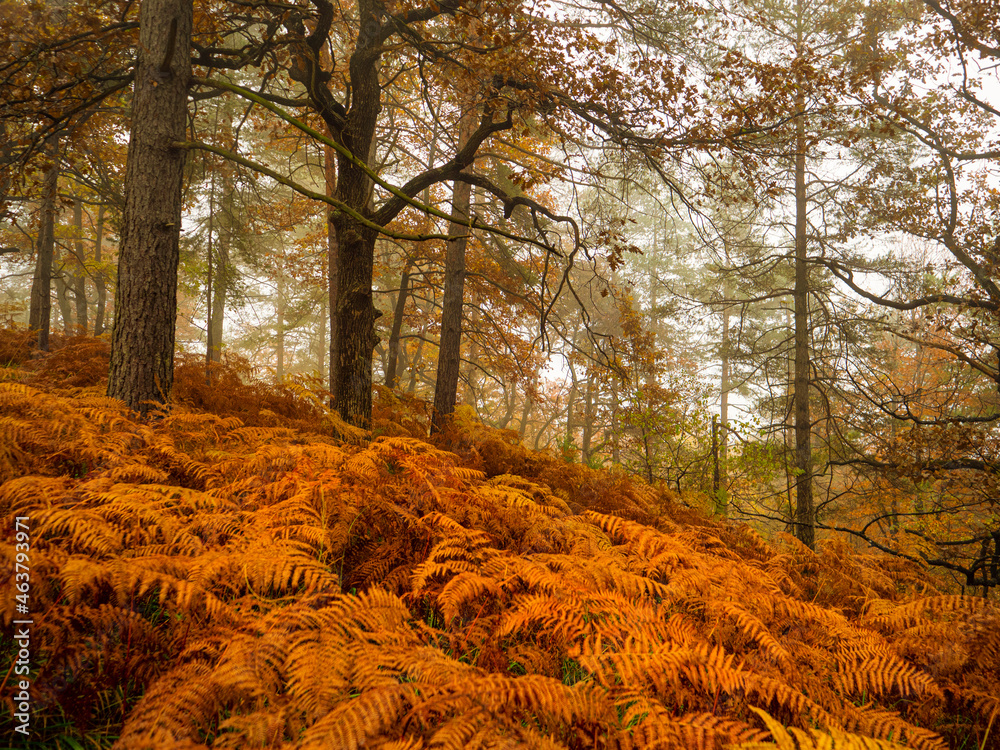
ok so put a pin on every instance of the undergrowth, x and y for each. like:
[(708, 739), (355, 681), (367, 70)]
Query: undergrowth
[(246, 571)]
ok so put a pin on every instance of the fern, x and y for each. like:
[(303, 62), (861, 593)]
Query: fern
[(190, 576), (798, 739)]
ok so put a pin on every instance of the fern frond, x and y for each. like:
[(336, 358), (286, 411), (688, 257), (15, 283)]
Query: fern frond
[(258, 729), (172, 709), (544, 698), (466, 587), (86, 532), (813, 739), (758, 632), (516, 499), (797, 609), (363, 467), (437, 520), (279, 566), (661, 667), (887, 725), (407, 743), (456, 732), (769, 690), (352, 723), (642, 539), (881, 674), (24, 495), (138, 473), (656, 727), (556, 615), (987, 704), (897, 617)]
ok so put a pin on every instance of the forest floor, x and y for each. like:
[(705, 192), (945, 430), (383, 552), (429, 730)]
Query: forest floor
[(247, 571)]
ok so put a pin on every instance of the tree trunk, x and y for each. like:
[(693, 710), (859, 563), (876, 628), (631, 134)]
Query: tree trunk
[(716, 472), (569, 441), (356, 312), (722, 494), (332, 255), (354, 338), (223, 273), (80, 277), (589, 415), (392, 371), (100, 279), (805, 520), (279, 330), (221, 223), (356, 316), (324, 315), (467, 369), (647, 454), (510, 400), (62, 299), (526, 411), (616, 451), (40, 312), (210, 346), (450, 352), (417, 361), (142, 341)]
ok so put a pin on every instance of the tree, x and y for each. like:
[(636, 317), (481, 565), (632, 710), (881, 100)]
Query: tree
[(924, 428), (449, 351), (790, 82), (39, 318), (142, 341)]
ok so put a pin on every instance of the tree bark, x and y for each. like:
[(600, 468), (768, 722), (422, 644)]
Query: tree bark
[(80, 277), (570, 439), (522, 428), (351, 370), (279, 331), (223, 272), (210, 346), (324, 315), (62, 299), (589, 417), (392, 370), (40, 312), (356, 315), (142, 341), (722, 494), (805, 518), (417, 361), (616, 451), (332, 254), (450, 351), (100, 279)]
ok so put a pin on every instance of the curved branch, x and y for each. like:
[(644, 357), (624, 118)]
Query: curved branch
[(302, 190)]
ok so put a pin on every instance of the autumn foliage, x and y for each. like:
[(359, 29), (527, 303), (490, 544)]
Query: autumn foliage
[(225, 577)]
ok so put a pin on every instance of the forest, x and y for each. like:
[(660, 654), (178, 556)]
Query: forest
[(500, 373)]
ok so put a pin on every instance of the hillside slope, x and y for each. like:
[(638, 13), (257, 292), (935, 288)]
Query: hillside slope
[(228, 580)]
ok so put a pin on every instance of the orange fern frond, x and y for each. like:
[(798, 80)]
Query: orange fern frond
[(353, 722), (798, 739), (897, 617), (880, 675), (758, 632)]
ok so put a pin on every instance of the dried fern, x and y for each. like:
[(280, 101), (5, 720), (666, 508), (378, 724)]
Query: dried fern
[(226, 580)]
